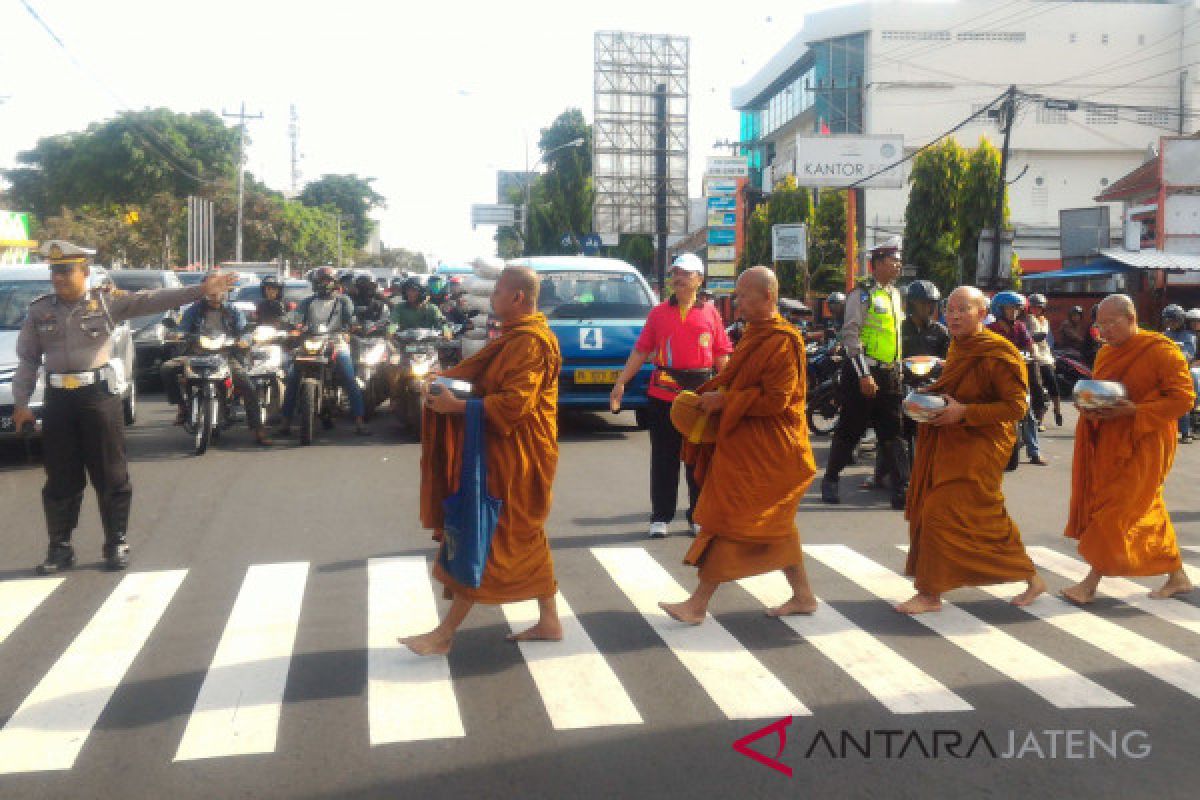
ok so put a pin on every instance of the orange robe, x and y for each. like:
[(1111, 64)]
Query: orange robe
[(1117, 509), (517, 377), (959, 531), (753, 478)]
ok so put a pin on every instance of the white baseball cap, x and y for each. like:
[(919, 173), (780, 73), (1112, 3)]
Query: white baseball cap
[(690, 262)]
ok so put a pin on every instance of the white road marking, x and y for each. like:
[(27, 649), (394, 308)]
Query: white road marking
[(51, 726), (237, 710), (19, 599), (736, 681)]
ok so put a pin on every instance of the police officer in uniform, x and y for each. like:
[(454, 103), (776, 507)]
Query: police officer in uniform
[(872, 378), (82, 420)]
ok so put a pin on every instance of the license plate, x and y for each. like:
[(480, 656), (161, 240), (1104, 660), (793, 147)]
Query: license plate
[(597, 375)]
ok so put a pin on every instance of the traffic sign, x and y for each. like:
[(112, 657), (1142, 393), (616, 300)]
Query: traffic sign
[(591, 244), (503, 214), (721, 235), (789, 242)]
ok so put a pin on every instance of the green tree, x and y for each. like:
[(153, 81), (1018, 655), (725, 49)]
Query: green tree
[(931, 232), (756, 249), (125, 160), (561, 198), (789, 204), (351, 195), (827, 242), (977, 203)]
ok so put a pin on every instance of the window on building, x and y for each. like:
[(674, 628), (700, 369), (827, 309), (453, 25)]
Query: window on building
[(1073, 38), (1159, 117), (1104, 38), (1101, 115), (1141, 38), (1011, 37), (838, 75), (1051, 116), (916, 36)]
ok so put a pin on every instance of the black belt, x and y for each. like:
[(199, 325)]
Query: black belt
[(689, 378)]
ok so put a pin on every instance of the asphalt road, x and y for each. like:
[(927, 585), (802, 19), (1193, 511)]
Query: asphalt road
[(250, 651)]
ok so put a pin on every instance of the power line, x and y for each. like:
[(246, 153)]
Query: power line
[(913, 48), (1118, 65)]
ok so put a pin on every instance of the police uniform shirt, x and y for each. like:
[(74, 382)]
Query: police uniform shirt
[(855, 315), (77, 337), (932, 340)]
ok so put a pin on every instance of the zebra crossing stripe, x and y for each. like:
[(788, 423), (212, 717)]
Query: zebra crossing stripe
[(409, 697), (237, 711), (736, 681), (1149, 656), (1042, 675), (50, 727), (577, 685), (19, 599), (1129, 592), (889, 677)]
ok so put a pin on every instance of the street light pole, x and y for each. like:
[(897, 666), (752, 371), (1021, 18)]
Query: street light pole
[(529, 187)]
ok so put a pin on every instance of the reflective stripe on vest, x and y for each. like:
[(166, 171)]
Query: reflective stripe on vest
[(880, 334)]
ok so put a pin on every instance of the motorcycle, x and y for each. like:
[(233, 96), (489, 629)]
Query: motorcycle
[(1069, 368), (319, 396), (415, 363), (824, 386), (207, 389), (373, 353), (265, 366)]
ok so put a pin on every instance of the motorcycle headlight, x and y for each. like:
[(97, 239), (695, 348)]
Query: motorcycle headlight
[(312, 345), (374, 355), (419, 369), (212, 342)]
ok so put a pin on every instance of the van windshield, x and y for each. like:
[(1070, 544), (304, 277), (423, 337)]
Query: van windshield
[(590, 295)]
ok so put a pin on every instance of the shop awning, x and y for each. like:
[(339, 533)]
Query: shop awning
[(1093, 271)]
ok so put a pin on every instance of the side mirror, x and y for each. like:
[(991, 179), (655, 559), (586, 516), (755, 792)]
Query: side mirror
[(170, 323)]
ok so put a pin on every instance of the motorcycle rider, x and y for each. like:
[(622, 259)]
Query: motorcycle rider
[(459, 315), (836, 304), (416, 311), (1071, 332), (1043, 356), (1174, 319), (271, 310), (1006, 307), (921, 334), (326, 306), (368, 305), (212, 316), (872, 380)]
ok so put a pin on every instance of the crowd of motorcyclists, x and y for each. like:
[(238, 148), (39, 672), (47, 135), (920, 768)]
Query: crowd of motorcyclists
[(352, 337)]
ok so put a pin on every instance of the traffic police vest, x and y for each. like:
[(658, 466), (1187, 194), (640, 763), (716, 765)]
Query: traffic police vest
[(880, 334)]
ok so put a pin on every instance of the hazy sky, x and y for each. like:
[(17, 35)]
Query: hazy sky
[(430, 98)]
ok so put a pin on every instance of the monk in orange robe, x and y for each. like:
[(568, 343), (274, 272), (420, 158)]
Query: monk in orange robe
[(1123, 455), (517, 377), (959, 531), (753, 478)]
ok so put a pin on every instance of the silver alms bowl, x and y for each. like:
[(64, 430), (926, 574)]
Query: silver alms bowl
[(1099, 394), (923, 407), (460, 389)]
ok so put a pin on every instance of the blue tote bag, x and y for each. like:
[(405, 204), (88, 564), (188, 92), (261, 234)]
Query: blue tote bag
[(471, 513)]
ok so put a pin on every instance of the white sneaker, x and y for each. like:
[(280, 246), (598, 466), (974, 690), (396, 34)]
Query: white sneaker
[(658, 530), (693, 530)]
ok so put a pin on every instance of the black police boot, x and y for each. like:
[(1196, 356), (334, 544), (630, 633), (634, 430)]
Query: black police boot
[(829, 491), (59, 555), (116, 553)]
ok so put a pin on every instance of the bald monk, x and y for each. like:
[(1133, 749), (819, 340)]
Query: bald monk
[(959, 531), (517, 377), (752, 479), (1123, 455)]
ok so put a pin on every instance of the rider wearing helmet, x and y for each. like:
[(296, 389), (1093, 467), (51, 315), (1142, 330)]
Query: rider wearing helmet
[(1174, 328), (437, 288), (335, 311), (345, 279), (835, 304), (368, 305), (1072, 333), (415, 310), (921, 334), (1043, 356), (271, 309), (1006, 307)]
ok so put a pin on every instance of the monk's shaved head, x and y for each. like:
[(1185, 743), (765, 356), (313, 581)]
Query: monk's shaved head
[(761, 279), (521, 279), (1116, 318), (966, 308), (516, 293)]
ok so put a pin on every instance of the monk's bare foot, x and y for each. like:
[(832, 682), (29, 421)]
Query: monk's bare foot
[(1177, 583), (920, 604), (428, 644), (544, 631), (1036, 587), (684, 612), (797, 605), (1079, 594)]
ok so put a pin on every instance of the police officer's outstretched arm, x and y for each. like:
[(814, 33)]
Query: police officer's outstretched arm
[(29, 359), (137, 304)]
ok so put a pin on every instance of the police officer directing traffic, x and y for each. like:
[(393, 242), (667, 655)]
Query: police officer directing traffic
[(872, 389), (83, 425)]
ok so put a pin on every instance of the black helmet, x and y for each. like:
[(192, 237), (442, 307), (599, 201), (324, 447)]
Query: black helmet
[(836, 299), (365, 281), (272, 281), (1037, 300), (922, 290), (323, 280), (1173, 312), (413, 283), (1076, 310)]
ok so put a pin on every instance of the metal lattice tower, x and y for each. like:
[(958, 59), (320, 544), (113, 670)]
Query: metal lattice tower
[(640, 125), (294, 136)]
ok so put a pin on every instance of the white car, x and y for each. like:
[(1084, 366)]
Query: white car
[(19, 286)]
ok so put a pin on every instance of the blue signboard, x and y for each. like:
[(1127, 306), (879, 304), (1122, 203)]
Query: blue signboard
[(722, 204), (722, 235), (591, 244)]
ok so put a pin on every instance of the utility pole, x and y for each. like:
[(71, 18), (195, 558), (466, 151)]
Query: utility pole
[(1007, 114), (294, 135), (241, 117), (339, 238), (660, 185)]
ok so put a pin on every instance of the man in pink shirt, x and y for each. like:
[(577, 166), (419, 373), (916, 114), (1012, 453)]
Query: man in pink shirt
[(685, 337)]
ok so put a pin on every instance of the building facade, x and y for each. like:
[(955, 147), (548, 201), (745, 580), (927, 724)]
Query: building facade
[(1130, 71)]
